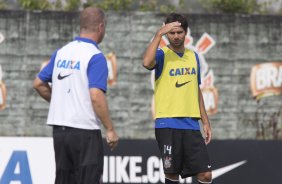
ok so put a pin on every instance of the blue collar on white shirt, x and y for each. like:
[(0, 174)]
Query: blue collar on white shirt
[(86, 40)]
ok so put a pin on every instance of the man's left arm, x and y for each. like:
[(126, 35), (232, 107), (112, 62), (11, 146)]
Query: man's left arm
[(205, 120)]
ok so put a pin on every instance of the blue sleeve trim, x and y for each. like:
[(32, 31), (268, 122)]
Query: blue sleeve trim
[(199, 69), (97, 72), (46, 73), (159, 63)]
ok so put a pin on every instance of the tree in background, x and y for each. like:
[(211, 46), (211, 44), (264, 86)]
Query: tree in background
[(237, 6), (72, 5), (35, 4), (116, 5), (107, 5), (2, 5), (139, 5), (163, 6)]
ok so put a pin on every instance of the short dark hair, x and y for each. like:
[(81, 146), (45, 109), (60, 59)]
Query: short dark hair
[(173, 17), (90, 18)]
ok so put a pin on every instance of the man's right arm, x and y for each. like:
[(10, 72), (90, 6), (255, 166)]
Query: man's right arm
[(150, 54)]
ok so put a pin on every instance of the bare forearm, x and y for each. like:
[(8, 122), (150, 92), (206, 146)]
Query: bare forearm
[(203, 112), (44, 92), (101, 109), (205, 120), (150, 54), (103, 115), (43, 89)]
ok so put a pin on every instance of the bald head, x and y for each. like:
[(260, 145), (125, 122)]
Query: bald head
[(90, 19)]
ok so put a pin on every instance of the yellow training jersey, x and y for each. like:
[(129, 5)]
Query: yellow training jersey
[(176, 87)]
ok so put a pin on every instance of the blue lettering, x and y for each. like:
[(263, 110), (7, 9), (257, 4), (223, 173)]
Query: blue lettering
[(58, 64), (18, 158), (63, 64), (193, 71), (68, 64), (182, 71), (177, 72), (187, 71), (171, 72), (77, 66)]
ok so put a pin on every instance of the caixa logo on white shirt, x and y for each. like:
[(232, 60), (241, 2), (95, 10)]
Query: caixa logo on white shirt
[(68, 64)]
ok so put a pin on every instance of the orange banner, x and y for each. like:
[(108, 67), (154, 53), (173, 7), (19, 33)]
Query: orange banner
[(266, 79)]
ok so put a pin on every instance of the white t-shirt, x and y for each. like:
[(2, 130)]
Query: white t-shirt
[(74, 69)]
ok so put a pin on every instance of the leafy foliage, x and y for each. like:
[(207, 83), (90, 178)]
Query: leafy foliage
[(233, 6), (115, 5), (2, 4), (58, 5), (35, 4), (213, 6), (156, 5), (72, 5)]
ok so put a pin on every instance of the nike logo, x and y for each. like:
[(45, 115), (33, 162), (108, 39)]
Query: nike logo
[(218, 172), (181, 84), (60, 77)]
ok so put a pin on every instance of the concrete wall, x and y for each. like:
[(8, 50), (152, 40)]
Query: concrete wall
[(241, 42)]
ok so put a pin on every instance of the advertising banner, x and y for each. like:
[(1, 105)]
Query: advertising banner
[(26, 160), (31, 161), (266, 79)]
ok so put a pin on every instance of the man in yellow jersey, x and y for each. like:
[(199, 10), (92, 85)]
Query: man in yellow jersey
[(179, 104)]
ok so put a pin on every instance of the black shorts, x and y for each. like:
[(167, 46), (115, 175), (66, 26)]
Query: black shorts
[(79, 155), (183, 152)]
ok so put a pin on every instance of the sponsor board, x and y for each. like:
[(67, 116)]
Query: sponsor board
[(266, 79), (3, 92), (112, 68), (210, 96), (2, 38), (31, 161), (26, 161)]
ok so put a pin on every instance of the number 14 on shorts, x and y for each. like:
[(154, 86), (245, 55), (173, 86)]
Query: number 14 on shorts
[(167, 149)]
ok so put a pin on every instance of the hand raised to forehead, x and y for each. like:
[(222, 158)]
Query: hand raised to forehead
[(168, 27)]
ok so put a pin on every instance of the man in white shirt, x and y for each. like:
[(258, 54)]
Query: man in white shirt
[(78, 73)]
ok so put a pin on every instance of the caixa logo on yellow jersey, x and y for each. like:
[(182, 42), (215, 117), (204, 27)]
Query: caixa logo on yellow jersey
[(266, 79), (182, 71), (204, 44)]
